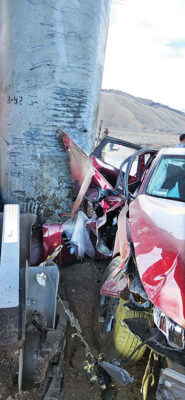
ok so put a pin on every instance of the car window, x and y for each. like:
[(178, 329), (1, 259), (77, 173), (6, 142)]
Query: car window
[(134, 167), (114, 154), (138, 167), (168, 179), (132, 173)]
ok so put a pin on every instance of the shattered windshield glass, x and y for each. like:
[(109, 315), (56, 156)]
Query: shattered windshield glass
[(168, 179)]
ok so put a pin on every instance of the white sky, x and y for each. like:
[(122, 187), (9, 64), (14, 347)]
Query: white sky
[(145, 53)]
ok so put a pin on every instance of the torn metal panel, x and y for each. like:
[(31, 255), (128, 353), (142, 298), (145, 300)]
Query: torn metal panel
[(115, 283), (95, 181), (89, 173), (171, 385)]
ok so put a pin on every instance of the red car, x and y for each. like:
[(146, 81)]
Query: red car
[(97, 179), (143, 293), (138, 220)]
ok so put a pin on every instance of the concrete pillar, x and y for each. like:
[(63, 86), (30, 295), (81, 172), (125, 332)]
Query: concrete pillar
[(51, 63)]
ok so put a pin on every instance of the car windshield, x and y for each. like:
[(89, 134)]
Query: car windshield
[(168, 179), (113, 151), (114, 154)]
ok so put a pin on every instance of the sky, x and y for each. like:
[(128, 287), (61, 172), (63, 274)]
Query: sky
[(145, 53)]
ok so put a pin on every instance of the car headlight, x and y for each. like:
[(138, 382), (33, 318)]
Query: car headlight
[(174, 333)]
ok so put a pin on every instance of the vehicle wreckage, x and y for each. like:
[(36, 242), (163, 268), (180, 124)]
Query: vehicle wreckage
[(142, 301), (33, 316), (142, 204), (142, 296), (129, 207)]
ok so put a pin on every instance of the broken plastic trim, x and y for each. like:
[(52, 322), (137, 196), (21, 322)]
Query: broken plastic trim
[(121, 375), (155, 340), (136, 284)]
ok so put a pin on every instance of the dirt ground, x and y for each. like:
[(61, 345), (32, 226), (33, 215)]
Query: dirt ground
[(81, 283)]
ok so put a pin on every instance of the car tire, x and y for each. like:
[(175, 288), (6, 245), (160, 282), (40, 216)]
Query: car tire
[(115, 340)]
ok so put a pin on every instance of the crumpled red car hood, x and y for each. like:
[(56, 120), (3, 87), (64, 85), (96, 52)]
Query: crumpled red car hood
[(82, 165), (158, 232)]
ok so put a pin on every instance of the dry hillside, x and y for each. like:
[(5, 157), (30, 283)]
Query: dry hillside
[(120, 110)]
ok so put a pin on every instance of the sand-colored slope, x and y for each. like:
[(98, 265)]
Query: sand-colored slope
[(121, 110)]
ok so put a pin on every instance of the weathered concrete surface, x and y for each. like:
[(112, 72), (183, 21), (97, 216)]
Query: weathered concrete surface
[(51, 63)]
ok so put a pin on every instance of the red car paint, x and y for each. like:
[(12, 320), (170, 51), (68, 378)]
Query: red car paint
[(116, 282), (160, 252), (80, 164), (52, 238), (156, 227)]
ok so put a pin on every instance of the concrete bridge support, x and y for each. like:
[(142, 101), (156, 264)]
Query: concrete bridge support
[(51, 63)]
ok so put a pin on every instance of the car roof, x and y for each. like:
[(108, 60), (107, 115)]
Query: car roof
[(177, 151)]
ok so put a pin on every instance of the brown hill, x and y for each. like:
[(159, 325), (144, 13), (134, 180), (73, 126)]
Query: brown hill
[(123, 111)]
